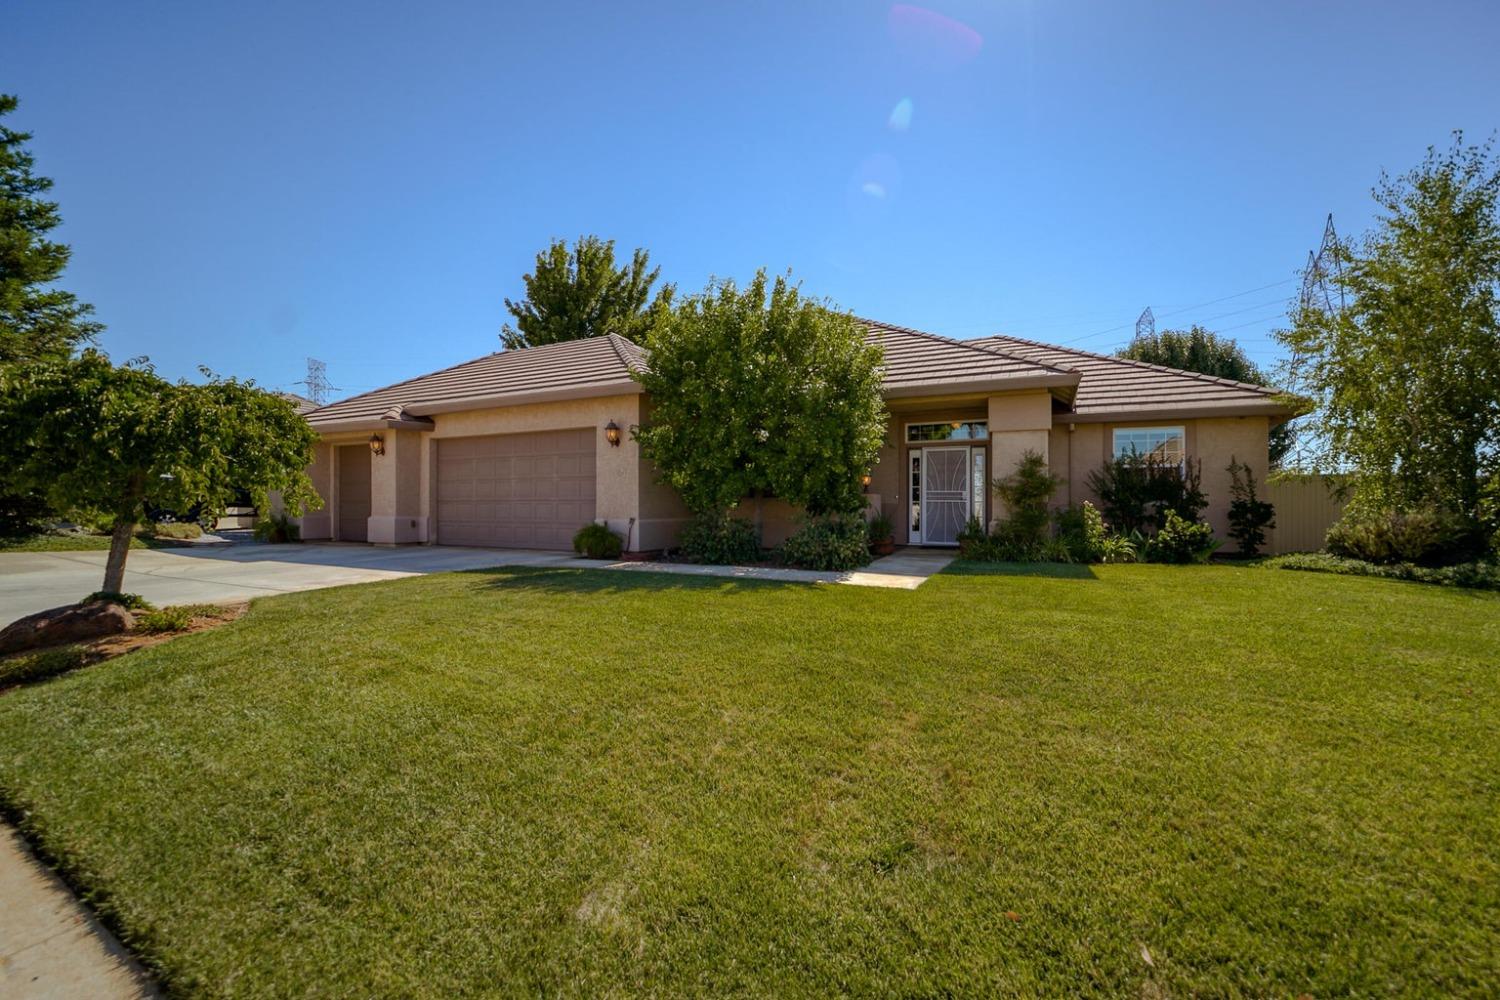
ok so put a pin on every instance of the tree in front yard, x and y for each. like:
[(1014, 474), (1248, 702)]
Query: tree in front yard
[(579, 293), (759, 390), (36, 321), (1209, 353), (87, 433), (1406, 376)]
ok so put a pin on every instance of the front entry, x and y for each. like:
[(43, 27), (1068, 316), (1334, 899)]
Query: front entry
[(947, 489), (354, 493)]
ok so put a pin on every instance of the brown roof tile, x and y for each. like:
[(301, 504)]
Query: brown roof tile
[(1118, 386), (596, 366), (918, 362)]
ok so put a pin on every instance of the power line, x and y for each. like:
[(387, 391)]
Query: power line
[(1176, 312)]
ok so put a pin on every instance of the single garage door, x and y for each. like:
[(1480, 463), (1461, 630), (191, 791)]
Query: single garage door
[(354, 493), (526, 491)]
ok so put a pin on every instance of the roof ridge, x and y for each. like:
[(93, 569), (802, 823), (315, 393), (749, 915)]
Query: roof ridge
[(1200, 376), (965, 343), (615, 341)]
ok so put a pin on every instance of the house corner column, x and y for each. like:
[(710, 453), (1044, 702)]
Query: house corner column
[(395, 491), (1018, 422)]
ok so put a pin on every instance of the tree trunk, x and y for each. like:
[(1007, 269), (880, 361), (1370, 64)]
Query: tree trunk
[(119, 542)]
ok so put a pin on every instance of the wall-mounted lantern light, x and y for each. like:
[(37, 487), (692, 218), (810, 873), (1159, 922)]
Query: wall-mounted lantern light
[(865, 482), (612, 434), (377, 444)]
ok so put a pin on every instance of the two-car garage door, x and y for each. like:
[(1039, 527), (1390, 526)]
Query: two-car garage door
[(530, 491)]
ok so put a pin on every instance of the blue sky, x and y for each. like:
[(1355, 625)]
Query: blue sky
[(248, 185)]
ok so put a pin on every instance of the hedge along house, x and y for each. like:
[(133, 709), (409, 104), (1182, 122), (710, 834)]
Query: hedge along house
[(521, 448)]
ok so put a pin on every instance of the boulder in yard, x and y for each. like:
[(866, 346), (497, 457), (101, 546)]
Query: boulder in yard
[(71, 623)]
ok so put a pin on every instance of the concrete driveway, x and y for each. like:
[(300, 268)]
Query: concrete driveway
[(35, 581)]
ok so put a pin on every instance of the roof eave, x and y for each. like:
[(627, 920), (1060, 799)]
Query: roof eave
[(340, 425), (1238, 408), (1068, 382)]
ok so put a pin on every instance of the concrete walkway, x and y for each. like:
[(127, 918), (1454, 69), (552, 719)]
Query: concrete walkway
[(906, 569), (51, 948)]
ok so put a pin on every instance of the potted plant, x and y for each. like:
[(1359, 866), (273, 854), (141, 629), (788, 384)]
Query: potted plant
[(882, 536)]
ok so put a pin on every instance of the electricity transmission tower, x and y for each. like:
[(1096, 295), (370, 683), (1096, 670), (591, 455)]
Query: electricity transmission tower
[(316, 382), (1145, 324), (1323, 270)]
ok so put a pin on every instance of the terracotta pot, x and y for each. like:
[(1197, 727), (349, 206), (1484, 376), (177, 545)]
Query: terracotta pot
[(884, 548)]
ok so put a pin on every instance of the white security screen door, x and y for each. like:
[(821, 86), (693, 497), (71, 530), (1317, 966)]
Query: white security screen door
[(945, 494)]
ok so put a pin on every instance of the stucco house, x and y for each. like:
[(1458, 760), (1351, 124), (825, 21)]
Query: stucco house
[(521, 448)]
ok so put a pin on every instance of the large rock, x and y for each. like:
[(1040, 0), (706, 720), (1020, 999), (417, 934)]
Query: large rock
[(73, 623)]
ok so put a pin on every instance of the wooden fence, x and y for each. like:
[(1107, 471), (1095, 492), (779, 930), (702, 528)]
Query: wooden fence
[(1305, 509)]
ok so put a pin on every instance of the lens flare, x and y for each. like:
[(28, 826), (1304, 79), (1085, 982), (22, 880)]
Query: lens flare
[(900, 119), (874, 189), (929, 35)]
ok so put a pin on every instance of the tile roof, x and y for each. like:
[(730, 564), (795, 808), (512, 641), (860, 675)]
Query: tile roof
[(918, 362), (1117, 386), (575, 368)]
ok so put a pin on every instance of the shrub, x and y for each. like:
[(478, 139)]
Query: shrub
[(1180, 541), (835, 542), (1476, 575), (1085, 538), (180, 530), (130, 602), (718, 539), (1425, 536), (277, 529), (34, 666), (172, 619), (1137, 492), (596, 541), (1027, 493), (1249, 516), (22, 514)]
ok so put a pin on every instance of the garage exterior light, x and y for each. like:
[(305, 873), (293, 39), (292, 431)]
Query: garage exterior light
[(377, 444), (612, 434)]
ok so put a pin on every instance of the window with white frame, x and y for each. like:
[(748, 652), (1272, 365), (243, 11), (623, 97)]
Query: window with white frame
[(1165, 444), (951, 430)]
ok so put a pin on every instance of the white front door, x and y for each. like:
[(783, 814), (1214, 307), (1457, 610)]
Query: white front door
[(945, 482)]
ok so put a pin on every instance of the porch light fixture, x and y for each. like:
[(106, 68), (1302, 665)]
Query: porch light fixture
[(612, 434), (377, 444), (864, 481)]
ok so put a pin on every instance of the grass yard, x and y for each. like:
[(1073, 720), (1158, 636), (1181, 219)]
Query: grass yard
[(71, 543), (1118, 780)]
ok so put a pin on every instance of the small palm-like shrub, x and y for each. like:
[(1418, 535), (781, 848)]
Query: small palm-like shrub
[(835, 542), (718, 539), (596, 541)]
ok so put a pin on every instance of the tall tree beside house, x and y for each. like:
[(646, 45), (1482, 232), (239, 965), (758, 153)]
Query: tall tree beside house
[(582, 292), (760, 390), (87, 433), (1406, 376), (1208, 353), (36, 321)]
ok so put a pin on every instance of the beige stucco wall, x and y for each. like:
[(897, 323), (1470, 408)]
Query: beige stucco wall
[(1019, 422), (1212, 442)]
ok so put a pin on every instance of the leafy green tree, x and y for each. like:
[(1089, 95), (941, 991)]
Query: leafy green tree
[(1406, 376), (36, 322), (89, 434), (1208, 353), (754, 393), (581, 293)]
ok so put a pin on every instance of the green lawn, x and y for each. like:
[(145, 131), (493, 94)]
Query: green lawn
[(71, 543), (585, 782)]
